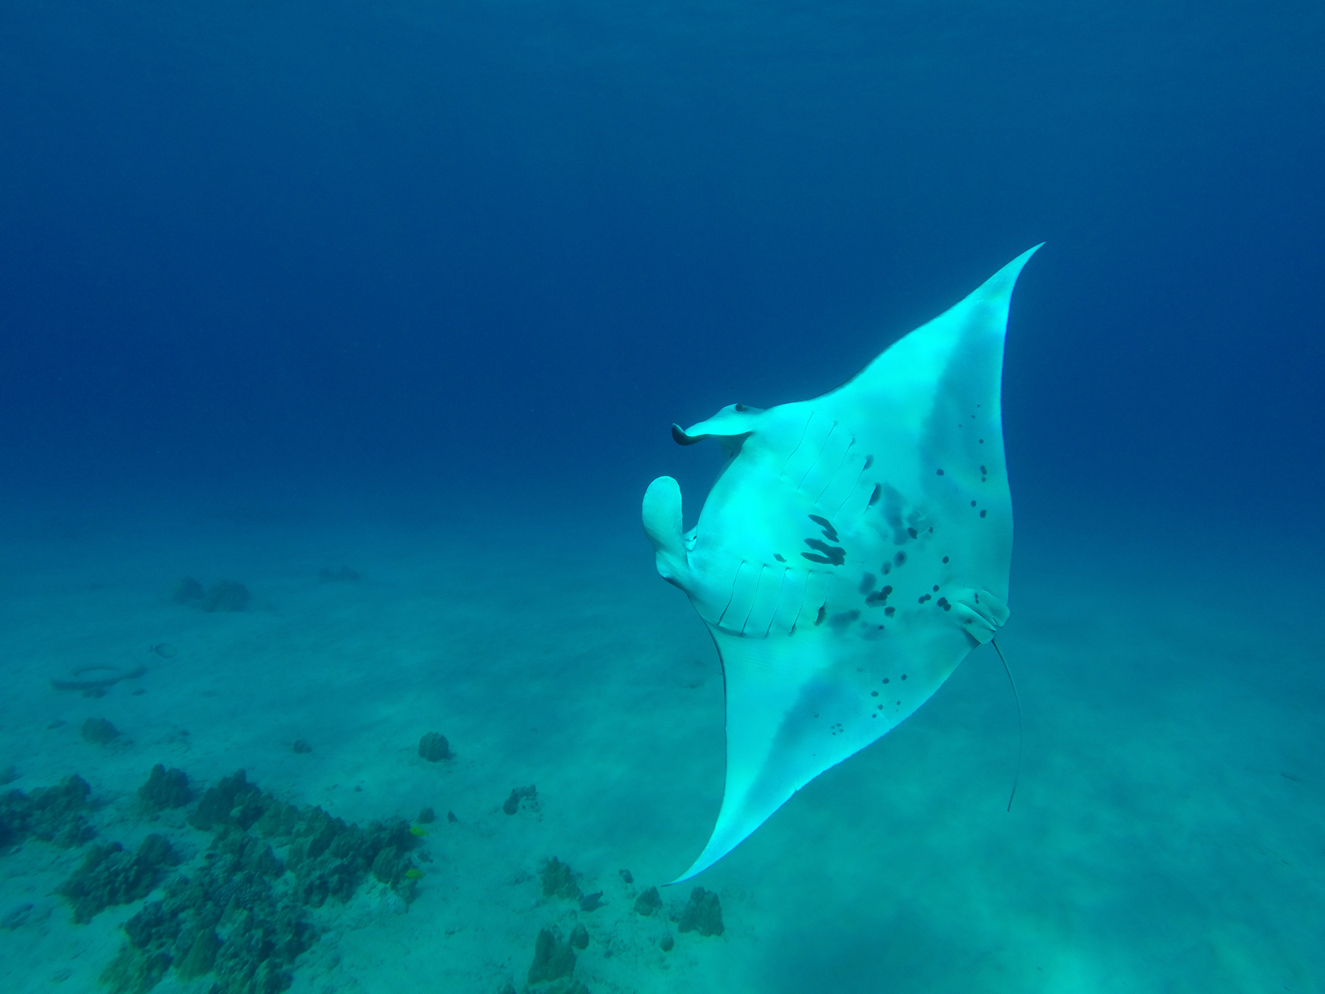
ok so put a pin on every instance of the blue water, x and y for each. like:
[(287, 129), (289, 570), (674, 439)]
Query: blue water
[(466, 262), (500, 242)]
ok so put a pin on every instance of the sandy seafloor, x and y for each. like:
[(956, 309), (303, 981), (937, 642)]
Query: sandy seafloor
[(1169, 832)]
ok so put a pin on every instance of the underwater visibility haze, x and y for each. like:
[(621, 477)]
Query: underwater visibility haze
[(339, 343)]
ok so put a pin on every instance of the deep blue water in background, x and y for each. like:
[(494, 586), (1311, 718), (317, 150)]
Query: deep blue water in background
[(490, 250)]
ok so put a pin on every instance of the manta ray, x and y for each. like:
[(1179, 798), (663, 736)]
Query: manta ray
[(852, 551)]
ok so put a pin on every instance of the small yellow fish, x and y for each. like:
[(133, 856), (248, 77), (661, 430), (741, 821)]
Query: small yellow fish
[(413, 873), (418, 830)]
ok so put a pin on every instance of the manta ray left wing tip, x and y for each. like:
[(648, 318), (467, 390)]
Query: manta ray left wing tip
[(706, 859), (1013, 269)]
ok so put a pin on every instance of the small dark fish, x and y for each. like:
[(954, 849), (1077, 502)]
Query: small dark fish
[(591, 902), (163, 649), (102, 682)]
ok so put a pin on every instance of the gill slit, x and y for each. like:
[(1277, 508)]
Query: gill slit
[(781, 587), (823, 446), (754, 598), (732, 595), (845, 456), (804, 430), (850, 493)]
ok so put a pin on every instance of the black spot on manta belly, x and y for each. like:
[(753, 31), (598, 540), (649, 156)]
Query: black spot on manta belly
[(866, 582), (829, 531), (778, 557), (983, 513), (875, 600), (832, 554), (889, 611), (839, 622), (900, 559)]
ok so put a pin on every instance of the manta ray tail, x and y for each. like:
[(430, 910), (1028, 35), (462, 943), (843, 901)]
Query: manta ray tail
[(1021, 732)]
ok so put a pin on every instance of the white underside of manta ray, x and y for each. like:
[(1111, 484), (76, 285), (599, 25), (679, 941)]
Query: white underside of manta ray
[(853, 550)]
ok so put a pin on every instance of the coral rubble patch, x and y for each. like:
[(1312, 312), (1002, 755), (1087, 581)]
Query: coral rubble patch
[(110, 875), (52, 814), (238, 913), (164, 789)]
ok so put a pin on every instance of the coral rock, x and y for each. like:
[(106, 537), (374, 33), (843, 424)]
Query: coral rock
[(433, 747), (52, 814), (232, 799), (703, 913), (109, 875), (164, 789), (559, 880), (553, 959), (99, 731), (200, 957), (648, 903), (518, 794)]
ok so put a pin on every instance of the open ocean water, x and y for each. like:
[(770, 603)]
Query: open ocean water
[(339, 342)]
